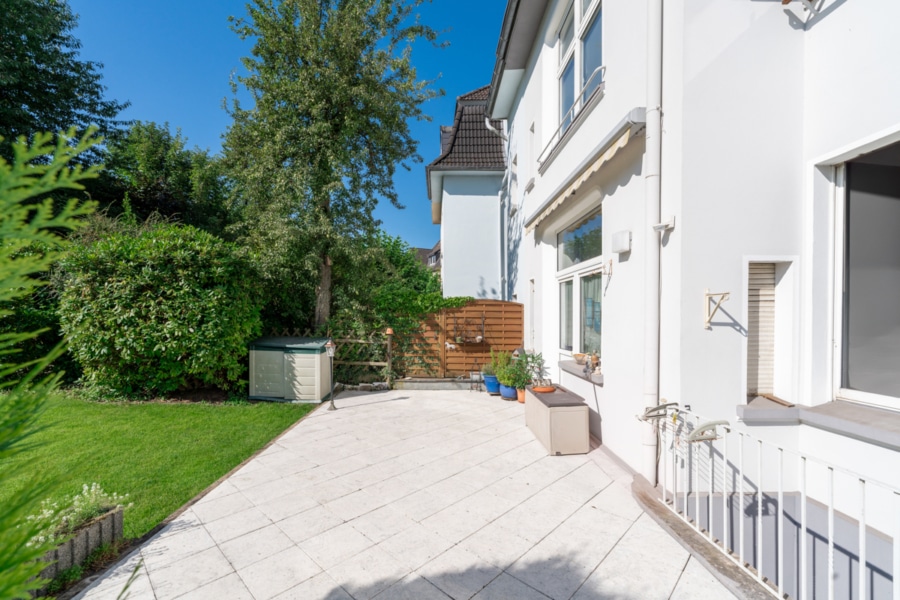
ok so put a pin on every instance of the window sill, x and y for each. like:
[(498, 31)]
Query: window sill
[(573, 368), (865, 423)]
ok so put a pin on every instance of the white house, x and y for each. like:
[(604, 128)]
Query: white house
[(464, 185), (707, 193)]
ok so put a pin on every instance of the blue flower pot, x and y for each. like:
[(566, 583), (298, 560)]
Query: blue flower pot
[(508, 392), (491, 384)]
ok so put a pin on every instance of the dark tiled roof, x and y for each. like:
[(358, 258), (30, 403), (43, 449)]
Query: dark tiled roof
[(422, 255), (479, 94), (471, 145)]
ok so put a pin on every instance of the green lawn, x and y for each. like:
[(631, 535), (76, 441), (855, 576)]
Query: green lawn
[(161, 454)]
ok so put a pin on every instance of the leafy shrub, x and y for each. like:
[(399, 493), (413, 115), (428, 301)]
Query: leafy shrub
[(159, 309)]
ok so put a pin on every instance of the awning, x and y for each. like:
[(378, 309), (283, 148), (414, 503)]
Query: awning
[(605, 151)]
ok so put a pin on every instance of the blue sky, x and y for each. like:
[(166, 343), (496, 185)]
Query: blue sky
[(172, 59)]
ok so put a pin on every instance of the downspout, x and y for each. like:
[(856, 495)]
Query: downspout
[(503, 266), (497, 132), (649, 460)]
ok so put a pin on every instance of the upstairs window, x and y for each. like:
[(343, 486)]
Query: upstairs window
[(580, 61), (567, 71)]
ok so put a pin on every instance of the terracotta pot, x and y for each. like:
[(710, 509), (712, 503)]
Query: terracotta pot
[(520, 395), (544, 389)]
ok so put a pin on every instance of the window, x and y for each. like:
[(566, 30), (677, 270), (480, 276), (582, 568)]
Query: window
[(579, 256), (592, 57), (871, 275), (580, 63), (580, 242), (565, 315), (567, 71), (591, 294)]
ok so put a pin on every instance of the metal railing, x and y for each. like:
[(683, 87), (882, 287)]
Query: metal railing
[(581, 100), (805, 537)]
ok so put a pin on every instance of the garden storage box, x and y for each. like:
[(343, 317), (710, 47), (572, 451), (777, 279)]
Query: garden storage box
[(291, 369)]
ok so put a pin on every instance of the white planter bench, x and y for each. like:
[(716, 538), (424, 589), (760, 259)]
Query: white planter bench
[(559, 420)]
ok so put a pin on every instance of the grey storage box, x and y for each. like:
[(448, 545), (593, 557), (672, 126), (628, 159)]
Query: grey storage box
[(559, 420), (292, 369)]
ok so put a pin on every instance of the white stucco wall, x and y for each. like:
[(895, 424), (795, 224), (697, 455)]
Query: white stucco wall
[(756, 110), (470, 236)]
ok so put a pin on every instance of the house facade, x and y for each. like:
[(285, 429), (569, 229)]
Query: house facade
[(464, 185), (704, 193)]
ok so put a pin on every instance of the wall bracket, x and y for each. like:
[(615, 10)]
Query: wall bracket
[(706, 432), (718, 299)]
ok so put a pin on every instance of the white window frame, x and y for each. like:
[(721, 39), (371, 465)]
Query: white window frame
[(575, 273), (839, 208), (565, 55), (581, 21)]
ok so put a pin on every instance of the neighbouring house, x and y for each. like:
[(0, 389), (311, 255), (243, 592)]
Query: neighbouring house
[(708, 196), (433, 259), (464, 185), (430, 257)]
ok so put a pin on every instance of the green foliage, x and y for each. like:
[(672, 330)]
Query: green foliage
[(164, 308), (43, 85), (150, 168), (390, 288), (35, 171), (334, 90), (516, 374)]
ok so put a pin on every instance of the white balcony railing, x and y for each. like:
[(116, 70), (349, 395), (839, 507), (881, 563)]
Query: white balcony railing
[(800, 525), (593, 89)]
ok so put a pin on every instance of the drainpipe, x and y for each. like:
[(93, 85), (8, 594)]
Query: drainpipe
[(503, 266), (497, 132), (650, 397)]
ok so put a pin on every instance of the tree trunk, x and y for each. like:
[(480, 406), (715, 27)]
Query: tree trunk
[(323, 293)]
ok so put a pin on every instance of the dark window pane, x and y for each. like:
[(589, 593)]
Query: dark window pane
[(581, 242), (592, 56), (871, 353)]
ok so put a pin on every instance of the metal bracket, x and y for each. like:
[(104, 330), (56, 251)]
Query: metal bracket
[(706, 432), (707, 314), (657, 412)]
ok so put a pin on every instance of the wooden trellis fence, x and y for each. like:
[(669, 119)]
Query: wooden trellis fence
[(354, 352), (457, 341), (450, 343)]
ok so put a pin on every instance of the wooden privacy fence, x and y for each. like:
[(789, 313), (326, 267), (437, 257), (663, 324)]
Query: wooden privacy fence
[(457, 341)]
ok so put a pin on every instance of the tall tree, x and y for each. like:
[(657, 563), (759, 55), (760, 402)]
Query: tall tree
[(43, 84), (334, 87), (159, 174)]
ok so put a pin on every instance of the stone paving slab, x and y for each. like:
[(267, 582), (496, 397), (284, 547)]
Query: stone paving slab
[(414, 494)]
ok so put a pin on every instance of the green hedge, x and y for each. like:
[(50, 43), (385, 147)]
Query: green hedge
[(165, 308)]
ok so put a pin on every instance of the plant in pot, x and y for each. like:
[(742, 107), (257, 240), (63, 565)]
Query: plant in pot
[(489, 376), (540, 383), (499, 361), (514, 378)]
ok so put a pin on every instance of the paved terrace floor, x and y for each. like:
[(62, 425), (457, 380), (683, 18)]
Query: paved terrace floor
[(419, 495)]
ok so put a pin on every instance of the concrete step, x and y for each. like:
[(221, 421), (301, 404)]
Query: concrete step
[(422, 383)]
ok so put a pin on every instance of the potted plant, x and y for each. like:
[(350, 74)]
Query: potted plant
[(539, 382), (491, 385), (499, 361), (514, 378)]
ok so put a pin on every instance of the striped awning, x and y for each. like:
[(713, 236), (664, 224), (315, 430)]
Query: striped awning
[(578, 181)]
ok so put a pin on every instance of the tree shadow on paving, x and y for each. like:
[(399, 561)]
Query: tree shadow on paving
[(555, 578)]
